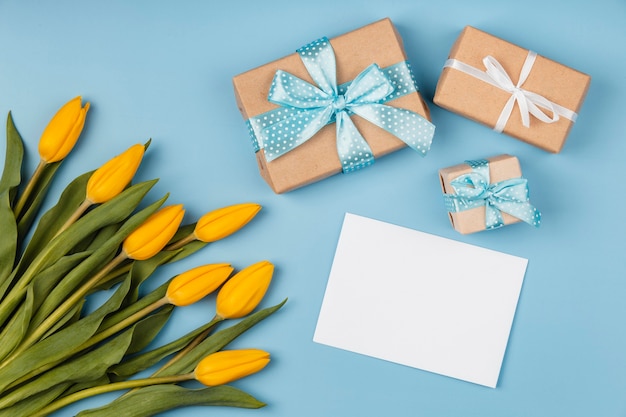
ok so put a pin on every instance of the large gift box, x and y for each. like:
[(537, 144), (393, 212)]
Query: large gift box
[(487, 194), (511, 89), (333, 106)]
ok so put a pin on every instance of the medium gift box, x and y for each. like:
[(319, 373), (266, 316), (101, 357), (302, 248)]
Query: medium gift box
[(333, 106), (485, 78), (487, 194)]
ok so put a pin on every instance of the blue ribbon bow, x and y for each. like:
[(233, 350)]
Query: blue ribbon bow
[(510, 196), (306, 108)]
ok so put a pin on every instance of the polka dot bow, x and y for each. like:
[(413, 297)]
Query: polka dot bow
[(306, 108), (509, 196)]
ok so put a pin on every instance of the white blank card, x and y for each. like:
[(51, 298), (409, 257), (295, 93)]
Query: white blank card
[(420, 300)]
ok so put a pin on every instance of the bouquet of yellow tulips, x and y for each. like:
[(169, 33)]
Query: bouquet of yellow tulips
[(96, 239)]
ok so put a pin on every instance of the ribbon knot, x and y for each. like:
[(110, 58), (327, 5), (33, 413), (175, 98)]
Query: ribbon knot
[(306, 108), (510, 196), (529, 103), (339, 104)]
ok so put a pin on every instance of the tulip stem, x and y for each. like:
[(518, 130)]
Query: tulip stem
[(195, 342), (75, 216), (116, 273), (26, 195), (61, 310), (115, 386), (182, 242), (121, 325), (98, 337)]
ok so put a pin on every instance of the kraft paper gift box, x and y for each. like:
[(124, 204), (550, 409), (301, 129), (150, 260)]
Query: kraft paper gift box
[(350, 136), (494, 82), (487, 194)]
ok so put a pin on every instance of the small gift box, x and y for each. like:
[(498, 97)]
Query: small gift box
[(485, 77), (332, 107), (487, 194)]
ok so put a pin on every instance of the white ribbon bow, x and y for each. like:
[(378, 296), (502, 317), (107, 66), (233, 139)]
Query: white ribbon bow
[(528, 102)]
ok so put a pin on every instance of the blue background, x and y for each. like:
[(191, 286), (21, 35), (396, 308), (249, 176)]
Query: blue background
[(163, 69)]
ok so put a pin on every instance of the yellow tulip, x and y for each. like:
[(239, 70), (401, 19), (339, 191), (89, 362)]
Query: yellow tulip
[(111, 178), (61, 134), (218, 368), (191, 286), (223, 222), (243, 292), (225, 366), (153, 234)]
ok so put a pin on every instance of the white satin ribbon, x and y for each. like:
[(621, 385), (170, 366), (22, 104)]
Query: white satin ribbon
[(528, 102)]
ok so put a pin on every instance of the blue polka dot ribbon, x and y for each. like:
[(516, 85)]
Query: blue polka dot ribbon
[(509, 196), (306, 108)]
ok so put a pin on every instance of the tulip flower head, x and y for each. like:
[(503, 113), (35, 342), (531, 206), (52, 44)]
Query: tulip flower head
[(61, 134), (153, 234), (111, 178), (191, 286), (225, 366), (223, 222), (243, 292)]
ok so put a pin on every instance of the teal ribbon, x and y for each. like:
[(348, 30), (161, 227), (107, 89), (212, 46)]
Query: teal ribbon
[(508, 196), (306, 108)]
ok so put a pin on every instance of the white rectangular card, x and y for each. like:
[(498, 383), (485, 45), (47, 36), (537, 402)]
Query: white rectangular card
[(420, 300)]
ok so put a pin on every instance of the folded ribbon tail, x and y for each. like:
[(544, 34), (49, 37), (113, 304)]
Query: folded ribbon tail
[(493, 216), (354, 152), (511, 196), (411, 128)]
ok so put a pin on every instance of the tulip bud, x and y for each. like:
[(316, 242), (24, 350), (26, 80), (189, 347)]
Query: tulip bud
[(111, 178), (153, 234), (223, 222), (225, 366), (61, 134), (191, 286), (243, 292)]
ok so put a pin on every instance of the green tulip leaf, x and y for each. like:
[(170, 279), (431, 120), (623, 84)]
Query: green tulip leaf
[(39, 191), (156, 399), (89, 366), (58, 346), (113, 211), (11, 174), (102, 236), (145, 360), (103, 380), (90, 265), (183, 231), (11, 178), (53, 219), (45, 281), (189, 248), (33, 403), (8, 241), (148, 328), (72, 314), (187, 363), (141, 270), (15, 330), (217, 341), (131, 309)]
